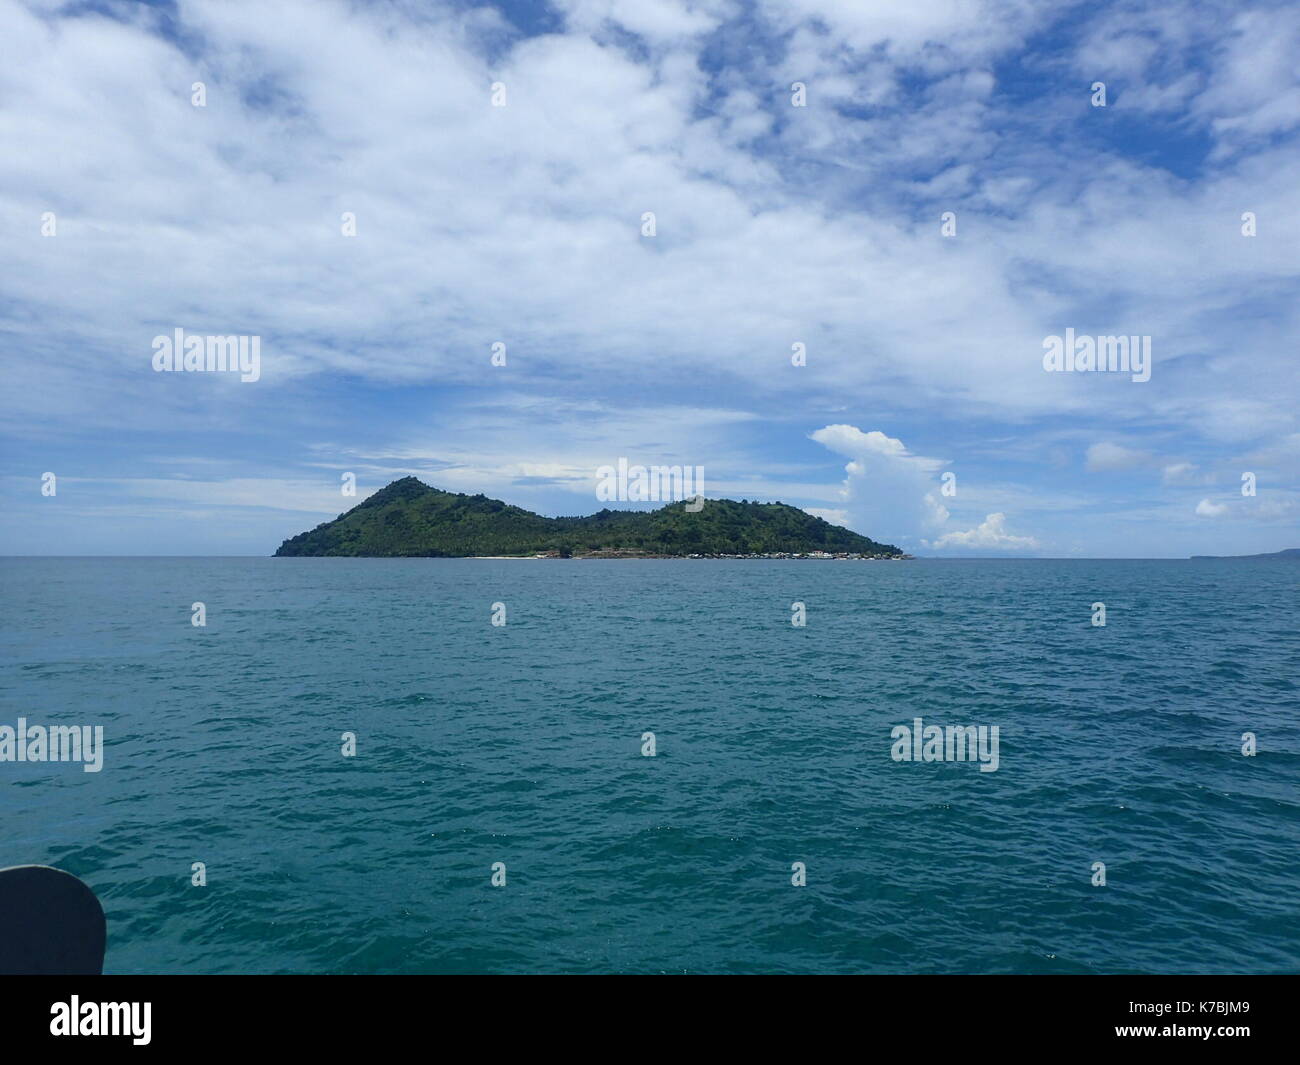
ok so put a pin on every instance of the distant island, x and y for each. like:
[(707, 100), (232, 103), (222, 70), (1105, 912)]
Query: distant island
[(1291, 554), (408, 519)]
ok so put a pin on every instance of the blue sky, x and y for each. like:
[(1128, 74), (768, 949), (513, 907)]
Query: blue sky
[(775, 225)]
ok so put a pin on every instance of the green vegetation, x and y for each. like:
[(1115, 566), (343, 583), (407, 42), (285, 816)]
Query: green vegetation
[(410, 519)]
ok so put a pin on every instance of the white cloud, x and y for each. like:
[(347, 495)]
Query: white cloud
[(1108, 456), (1182, 473), (991, 533), (835, 517), (1254, 90), (961, 29), (890, 493), (478, 223), (1276, 509), (1206, 509), (656, 20)]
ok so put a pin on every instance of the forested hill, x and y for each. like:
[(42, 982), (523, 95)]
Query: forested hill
[(410, 519)]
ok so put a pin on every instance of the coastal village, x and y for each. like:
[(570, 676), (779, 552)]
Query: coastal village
[(837, 556)]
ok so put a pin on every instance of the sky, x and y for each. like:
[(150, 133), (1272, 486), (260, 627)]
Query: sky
[(916, 196)]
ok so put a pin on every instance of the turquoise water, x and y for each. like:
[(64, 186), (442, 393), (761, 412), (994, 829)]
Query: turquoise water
[(522, 744)]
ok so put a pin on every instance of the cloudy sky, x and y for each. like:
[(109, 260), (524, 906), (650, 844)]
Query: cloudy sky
[(126, 212)]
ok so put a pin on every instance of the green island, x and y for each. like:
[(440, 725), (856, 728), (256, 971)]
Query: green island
[(1290, 554), (408, 519)]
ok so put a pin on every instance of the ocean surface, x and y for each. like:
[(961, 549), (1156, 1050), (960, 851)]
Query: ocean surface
[(521, 744)]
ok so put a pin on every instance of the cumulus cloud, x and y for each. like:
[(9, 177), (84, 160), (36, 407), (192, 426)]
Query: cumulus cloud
[(1206, 509), (991, 533), (889, 493)]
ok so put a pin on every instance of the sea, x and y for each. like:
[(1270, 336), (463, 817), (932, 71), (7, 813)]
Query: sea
[(649, 766)]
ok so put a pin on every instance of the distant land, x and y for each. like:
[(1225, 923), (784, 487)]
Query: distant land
[(1291, 554), (408, 519)]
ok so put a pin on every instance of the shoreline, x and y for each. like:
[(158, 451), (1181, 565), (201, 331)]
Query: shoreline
[(633, 558)]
